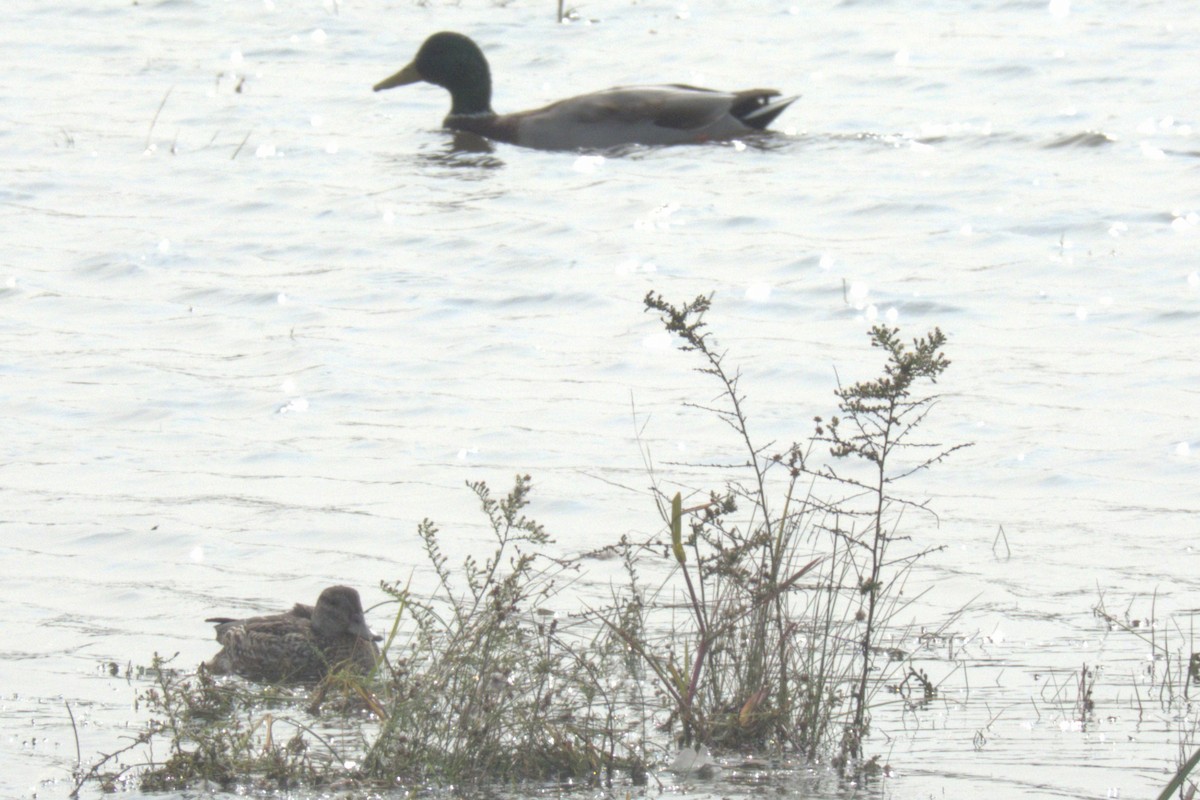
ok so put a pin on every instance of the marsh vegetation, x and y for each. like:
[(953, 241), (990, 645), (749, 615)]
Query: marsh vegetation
[(767, 616)]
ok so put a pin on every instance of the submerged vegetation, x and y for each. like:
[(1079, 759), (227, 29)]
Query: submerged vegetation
[(764, 618), (1166, 686)]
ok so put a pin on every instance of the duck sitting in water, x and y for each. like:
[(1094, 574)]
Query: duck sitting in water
[(303, 645), (648, 115)]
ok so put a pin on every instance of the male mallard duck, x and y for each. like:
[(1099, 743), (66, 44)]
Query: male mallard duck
[(671, 114), (303, 645)]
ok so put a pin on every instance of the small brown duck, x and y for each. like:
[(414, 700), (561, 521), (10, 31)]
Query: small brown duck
[(646, 115), (302, 646)]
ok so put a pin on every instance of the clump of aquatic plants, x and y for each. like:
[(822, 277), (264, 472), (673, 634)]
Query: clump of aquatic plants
[(489, 686), (792, 603), (225, 734), (494, 686), (769, 625), (1169, 682)]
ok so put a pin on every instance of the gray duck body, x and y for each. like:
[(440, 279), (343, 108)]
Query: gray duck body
[(302, 646)]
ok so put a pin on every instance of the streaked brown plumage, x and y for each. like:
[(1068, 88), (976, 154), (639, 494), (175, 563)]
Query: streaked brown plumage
[(303, 645), (649, 115)]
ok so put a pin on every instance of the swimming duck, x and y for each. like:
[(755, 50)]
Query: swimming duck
[(303, 645), (648, 115)]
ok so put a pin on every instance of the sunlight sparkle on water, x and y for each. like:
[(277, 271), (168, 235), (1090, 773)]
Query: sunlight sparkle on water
[(758, 292), (588, 164), (856, 295), (657, 341), (1184, 222), (1183, 449), (297, 405), (1167, 125), (1150, 151)]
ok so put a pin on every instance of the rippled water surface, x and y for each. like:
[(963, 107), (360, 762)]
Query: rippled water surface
[(256, 322)]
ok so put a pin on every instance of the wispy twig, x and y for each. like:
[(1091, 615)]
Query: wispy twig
[(154, 121)]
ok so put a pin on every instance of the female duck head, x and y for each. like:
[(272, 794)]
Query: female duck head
[(454, 62), (339, 611)]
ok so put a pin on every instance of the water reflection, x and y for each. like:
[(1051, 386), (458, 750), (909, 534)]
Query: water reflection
[(1083, 139), (467, 151)]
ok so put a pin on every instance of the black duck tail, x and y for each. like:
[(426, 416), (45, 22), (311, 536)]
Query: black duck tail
[(758, 108)]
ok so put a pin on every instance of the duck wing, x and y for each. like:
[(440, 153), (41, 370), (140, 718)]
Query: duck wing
[(298, 610), (273, 649), (668, 114)]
